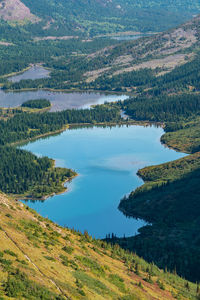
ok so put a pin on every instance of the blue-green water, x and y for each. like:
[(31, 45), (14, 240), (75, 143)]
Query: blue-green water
[(107, 160)]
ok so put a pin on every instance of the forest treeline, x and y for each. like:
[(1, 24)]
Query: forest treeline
[(23, 126)]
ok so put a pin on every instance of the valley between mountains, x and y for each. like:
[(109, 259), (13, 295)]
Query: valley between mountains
[(158, 73)]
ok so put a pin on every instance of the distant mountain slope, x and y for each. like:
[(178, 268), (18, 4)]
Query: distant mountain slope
[(127, 66), (105, 16), (133, 64), (94, 17)]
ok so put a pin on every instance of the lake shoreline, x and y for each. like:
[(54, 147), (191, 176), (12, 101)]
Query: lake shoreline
[(114, 166), (63, 189), (44, 198), (67, 91), (24, 70), (71, 126), (16, 73)]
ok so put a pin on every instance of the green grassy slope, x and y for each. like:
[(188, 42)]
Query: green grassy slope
[(40, 260)]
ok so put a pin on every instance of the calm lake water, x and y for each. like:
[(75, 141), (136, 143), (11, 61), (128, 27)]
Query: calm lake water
[(35, 72), (107, 160), (59, 100)]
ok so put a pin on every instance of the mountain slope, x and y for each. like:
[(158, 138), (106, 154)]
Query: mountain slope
[(126, 66), (105, 16), (160, 53), (94, 17), (41, 260)]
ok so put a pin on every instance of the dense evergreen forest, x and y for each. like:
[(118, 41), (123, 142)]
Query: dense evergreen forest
[(68, 72), (163, 108), (39, 103), (71, 61), (82, 22), (169, 197), (26, 174), (24, 126), (91, 18), (172, 208), (21, 53)]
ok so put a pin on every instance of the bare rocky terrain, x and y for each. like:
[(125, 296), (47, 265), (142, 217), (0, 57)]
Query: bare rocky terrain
[(15, 10)]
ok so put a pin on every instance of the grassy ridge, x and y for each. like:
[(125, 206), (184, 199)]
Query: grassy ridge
[(40, 260)]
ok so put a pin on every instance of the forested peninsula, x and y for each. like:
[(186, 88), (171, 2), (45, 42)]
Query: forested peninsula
[(22, 173)]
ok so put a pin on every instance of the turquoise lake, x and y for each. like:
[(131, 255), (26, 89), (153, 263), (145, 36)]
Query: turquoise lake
[(107, 160)]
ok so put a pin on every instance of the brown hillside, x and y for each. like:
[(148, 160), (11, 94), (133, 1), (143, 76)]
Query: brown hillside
[(71, 265)]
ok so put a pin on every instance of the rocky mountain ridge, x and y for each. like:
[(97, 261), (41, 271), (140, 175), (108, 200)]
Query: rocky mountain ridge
[(15, 10)]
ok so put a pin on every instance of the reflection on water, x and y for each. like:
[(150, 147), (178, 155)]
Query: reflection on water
[(59, 100)]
